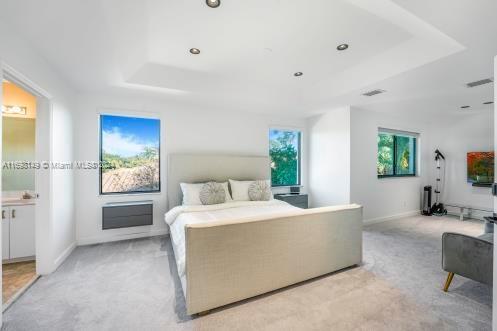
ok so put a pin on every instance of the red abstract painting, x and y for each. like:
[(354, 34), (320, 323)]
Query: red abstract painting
[(481, 167)]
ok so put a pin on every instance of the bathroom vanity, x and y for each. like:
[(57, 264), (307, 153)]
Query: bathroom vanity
[(18, 230)]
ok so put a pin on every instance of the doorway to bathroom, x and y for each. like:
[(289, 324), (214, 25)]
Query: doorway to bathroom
[(26, 208), (18, 191)]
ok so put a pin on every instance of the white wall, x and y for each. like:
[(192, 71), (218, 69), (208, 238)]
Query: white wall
[(471, 131), (184, 130), (329, 158), (63, 207), (342, 163), (386, 197), (17, 54)]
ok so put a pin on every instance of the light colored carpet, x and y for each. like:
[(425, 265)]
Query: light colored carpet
[(133, 285)]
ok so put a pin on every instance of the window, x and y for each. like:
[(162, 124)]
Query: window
[(129, 154), (284, 151), (396, 154)]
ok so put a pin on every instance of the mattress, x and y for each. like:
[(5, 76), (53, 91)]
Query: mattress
[(179, 217)]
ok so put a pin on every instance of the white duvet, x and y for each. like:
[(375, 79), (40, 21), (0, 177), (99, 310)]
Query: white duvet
[(178, 217)]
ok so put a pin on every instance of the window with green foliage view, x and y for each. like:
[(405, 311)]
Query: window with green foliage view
[(396, 155), (284, 151)]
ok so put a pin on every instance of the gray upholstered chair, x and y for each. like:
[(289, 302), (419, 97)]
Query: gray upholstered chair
[(470, 257)]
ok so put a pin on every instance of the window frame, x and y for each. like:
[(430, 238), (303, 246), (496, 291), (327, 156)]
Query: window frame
[(100, 168), (415, 153), (299, 155)]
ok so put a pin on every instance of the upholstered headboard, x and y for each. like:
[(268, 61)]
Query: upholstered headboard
[(198, 168)]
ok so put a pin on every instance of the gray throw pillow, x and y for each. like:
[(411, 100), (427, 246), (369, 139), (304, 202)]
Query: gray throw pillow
[(260, 190), (212, 193)]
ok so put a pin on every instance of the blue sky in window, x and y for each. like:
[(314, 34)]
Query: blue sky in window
[(128, 136), (275, 134)]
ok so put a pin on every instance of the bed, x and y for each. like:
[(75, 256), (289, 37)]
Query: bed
[(236, 250)]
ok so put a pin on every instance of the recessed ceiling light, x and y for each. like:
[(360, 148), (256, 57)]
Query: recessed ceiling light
[(488, 103), (342, 47), (298, 74), (195, 51), (213, 3), (464, 106)]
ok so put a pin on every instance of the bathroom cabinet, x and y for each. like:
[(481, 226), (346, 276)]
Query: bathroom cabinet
[(18, 232)]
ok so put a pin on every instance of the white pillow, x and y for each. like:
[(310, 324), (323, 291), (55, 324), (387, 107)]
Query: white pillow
[(191, 193), (240, 189), (226, 189)]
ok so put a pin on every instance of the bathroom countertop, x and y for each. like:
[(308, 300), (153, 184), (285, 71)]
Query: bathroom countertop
[(17, 202)]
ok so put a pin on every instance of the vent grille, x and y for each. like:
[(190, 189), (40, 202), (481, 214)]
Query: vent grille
[(480, 82), (374, 92)]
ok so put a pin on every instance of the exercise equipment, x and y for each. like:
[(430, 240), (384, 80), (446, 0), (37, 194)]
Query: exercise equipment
[(438, 207)]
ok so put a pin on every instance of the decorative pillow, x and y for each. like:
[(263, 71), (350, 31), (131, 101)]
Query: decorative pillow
[(212, 193), (191, 193), (260, 190), (240, 189)]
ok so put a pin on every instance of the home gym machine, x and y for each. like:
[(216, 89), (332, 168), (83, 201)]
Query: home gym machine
[(438, 207)]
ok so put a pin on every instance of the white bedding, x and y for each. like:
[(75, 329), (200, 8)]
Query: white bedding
[(178, 217)]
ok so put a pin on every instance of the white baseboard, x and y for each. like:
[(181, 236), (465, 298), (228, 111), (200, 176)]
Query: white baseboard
[(391, 217), (62, 257), (117, 237)]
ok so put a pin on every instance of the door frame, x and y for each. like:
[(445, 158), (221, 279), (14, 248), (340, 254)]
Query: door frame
[(494, 288), (43, 176)]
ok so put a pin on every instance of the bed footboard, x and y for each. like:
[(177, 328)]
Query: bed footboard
[(233, 260)]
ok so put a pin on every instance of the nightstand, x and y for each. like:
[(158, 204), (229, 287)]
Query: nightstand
[(297, 200)]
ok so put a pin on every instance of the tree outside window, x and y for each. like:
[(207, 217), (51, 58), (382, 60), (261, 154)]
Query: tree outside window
[(284, 151), (396, 155)]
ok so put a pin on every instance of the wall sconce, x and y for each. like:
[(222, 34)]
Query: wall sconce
[(16, 110)]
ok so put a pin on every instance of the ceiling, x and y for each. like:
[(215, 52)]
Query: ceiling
[(421, 52)]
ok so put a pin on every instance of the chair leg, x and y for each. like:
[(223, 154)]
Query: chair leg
[(448, 281)]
